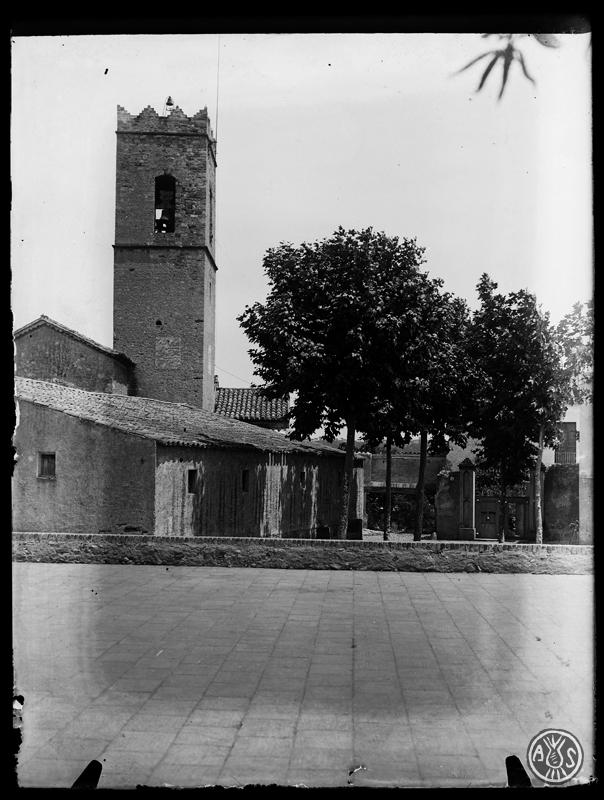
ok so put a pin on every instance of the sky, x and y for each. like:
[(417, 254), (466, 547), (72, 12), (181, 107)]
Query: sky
[(314, 131)]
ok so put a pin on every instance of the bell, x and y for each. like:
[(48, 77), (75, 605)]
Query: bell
[(169, 101)]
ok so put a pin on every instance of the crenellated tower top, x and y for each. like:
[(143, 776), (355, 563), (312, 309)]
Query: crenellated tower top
[(176, 122)]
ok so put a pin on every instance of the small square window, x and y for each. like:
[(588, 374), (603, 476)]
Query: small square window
[(46, 465), (192, 481), (245, 480)]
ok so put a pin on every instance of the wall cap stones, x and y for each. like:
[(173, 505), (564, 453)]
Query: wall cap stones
[(273, 541)]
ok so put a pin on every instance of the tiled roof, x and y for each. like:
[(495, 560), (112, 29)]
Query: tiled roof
[(167, 423), (44, 320), (249, 404)]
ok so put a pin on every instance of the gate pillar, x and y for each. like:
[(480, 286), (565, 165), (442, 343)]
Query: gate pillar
[(467, 500)]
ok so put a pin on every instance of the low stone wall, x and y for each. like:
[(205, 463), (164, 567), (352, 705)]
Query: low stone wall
[(425, 556)]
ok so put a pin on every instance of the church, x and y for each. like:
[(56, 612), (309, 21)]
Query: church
[(140, 438)]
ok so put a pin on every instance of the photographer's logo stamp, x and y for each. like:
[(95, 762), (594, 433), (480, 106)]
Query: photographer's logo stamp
[(555, 756)]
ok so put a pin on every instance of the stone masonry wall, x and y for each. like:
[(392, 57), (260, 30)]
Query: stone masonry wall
[(586, 473), (147, 146), (161, 322), (303, 554), (560, 501)]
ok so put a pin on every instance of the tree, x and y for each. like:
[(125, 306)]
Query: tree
[(444, 381), (379, 423), (421, 380), (508, 54), (575, 334), (323, 334), (430, 385), (523, 389)]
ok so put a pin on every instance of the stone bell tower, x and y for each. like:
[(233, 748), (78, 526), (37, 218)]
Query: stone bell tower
[(164, 268)]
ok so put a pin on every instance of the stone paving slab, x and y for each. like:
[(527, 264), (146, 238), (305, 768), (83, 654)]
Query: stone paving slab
[(193, 676)]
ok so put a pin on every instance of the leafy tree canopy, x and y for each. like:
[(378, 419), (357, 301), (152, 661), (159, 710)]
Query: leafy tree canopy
[(575, 333), (523, 390), (334, 310)]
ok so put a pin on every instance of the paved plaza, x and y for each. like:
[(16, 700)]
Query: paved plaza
[(193, 676)]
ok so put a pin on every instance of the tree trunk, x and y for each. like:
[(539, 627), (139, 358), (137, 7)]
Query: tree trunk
[(503, 503), (538, 514), (347, 481), (421, 481), (388, 494)]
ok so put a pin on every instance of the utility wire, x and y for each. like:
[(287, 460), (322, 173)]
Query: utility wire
[(243, 380), (217, 85)]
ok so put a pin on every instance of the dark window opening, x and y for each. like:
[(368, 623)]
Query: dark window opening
[(245, 480), (165, 203), (46, 465), (302, 477), (192, 481), (158, 321), (566, 451)]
